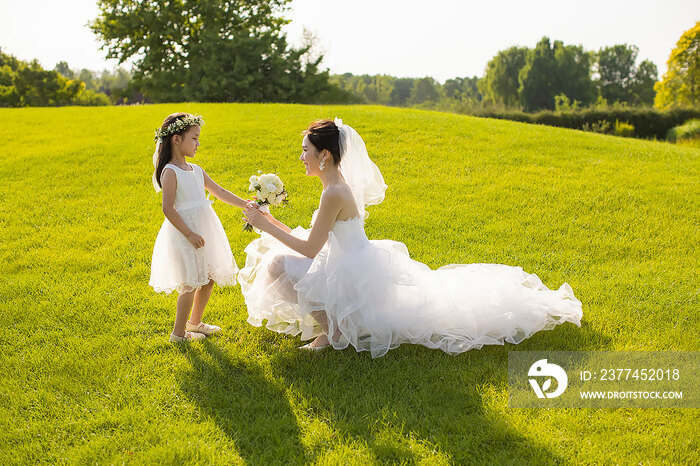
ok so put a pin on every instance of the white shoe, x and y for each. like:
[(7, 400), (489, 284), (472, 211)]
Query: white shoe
[(189, 336), (202, 328), (308, 347)]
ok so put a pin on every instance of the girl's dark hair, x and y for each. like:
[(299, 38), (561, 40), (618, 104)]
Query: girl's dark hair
[(165, 153), (324, 134)]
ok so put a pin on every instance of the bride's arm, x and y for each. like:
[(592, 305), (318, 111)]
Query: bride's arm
[(276, 222), (331, 204)]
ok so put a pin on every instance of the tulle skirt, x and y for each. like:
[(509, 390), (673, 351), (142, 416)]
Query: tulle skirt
[(178, 266), (375, 297)]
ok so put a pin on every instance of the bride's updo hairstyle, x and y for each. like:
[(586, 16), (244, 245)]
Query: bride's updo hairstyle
[(324, 134)]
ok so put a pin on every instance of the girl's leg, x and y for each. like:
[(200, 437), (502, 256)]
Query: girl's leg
[(184, 306), (201, 297)]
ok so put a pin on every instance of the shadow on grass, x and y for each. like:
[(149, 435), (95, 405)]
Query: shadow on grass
[(412, 404), (416, 402), (248, 407)]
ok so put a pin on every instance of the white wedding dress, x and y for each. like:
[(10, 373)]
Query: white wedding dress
[(376, 297)]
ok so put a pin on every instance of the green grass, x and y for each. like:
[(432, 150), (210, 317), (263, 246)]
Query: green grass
[(88, 375)]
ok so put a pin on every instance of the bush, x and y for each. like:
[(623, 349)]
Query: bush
[(647, 122), (563, 104), (687, 131), (601, 126), (91, 98), (623, 129), (27, 84)]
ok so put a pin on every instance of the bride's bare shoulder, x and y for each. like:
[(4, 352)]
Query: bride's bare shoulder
[(340, 191), (340, 197)]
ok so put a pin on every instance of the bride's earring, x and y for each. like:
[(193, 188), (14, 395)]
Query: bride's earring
[(322, 165)]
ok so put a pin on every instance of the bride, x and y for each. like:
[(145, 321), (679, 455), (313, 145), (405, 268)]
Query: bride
[(332, 283)]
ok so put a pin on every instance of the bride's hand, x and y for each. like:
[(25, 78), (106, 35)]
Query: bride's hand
[(266, 212), (256, 218)]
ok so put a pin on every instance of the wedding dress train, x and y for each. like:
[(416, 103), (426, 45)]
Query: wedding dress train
[(376, 297)]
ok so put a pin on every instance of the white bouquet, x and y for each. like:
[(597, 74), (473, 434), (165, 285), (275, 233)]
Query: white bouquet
[(269, 190)]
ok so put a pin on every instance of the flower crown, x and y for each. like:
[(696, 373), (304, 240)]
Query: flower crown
[(178, 125)]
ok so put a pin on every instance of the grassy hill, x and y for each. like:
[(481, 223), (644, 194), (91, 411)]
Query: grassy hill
[(88, 375)]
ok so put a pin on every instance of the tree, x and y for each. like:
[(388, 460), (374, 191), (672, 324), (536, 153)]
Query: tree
[(620, 80), (537, 86), (209, 50), (115, 85), (401, 92), (453, 88), (500, 82), (615, 68), (424, 90), (64, 70), (573, 77), (552, 70), (384, 85), (463, 90), (470, 91), (88, 78), (643, 85), (25, 84), (8, 93), (680, 85)]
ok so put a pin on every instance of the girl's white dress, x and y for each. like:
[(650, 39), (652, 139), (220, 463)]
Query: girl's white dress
[(176, 264), (376, 297)]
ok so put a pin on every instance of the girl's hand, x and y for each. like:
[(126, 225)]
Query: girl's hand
[(251, 204), (256, 218), (196, 240)]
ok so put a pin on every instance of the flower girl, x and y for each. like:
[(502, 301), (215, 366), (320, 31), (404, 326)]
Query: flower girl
[(191, 251)]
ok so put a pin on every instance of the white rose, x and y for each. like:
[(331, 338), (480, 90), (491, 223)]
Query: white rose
[(264, 194), (253, 179)]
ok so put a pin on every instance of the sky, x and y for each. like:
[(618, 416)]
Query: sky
[(403, 38)]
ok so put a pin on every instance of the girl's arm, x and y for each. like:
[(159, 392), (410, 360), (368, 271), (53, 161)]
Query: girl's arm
[(331, 204), (222, 194), (169, 180)]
